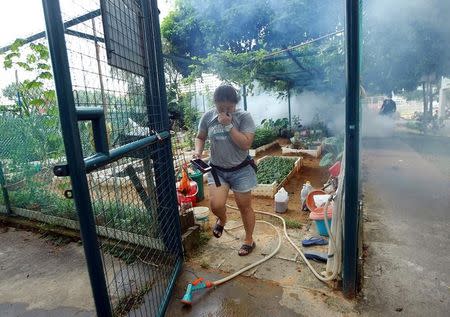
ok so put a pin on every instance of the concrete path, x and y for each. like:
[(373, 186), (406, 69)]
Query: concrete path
[(407, 226), (282, 286), (39, 278)]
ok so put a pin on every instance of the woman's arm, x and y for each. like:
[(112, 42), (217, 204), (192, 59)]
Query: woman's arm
[(199, 144), (242, 139)]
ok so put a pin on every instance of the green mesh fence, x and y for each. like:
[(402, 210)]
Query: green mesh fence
[(133, 198)]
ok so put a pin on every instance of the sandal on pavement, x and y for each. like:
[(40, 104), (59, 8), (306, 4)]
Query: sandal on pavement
[(217, 229), (246, 249)]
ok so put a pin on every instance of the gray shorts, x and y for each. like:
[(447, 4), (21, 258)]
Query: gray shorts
[(241, 181)]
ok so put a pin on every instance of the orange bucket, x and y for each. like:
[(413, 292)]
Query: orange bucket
[(312, 205)]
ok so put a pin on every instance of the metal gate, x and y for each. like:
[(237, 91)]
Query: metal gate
[(109, 79)]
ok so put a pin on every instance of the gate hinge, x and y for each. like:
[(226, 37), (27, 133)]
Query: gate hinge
[(61, 170)]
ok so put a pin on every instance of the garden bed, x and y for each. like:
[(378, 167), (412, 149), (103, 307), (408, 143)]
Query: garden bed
[(254, 152), (102, 231), (266, 189), (315, 152)]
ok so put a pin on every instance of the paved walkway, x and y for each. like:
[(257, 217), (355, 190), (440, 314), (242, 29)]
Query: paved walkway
[(407, 226)]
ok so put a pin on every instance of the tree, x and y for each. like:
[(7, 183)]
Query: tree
[(36, 94), (405, 45), (233, 38)]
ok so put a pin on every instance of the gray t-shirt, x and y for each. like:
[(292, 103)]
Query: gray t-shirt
[(224, 152)]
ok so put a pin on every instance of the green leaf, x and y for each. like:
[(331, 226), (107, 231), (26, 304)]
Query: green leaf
[(12, 55), (327, 160), (25, 66), (31, 59), (16, 45), (50, 95), (33, 84), (7, 63), (37, 102), (45, 75), (41, 49), (43, 66)]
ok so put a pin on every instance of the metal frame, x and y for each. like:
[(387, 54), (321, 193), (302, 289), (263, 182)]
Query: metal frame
[(4, 190), (55, 31), (75, 161), (77, 167), (352, 139)]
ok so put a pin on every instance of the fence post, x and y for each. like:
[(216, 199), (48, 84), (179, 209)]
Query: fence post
[(75, 161), (350, 250), (5, 190), (168, 218)]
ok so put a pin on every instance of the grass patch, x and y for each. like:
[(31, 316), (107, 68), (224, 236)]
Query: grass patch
[(204, 238), (293, 224)]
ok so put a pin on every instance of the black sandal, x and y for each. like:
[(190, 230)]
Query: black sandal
[(246, 249), (217, 229)]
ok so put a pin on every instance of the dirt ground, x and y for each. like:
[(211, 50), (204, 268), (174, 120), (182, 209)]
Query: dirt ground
[(310, 171), (281, 286)]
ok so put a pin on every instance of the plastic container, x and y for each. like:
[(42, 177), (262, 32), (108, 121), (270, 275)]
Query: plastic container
[(201, 216), (197, 177), (190, 197), (307, 188), (318, 215), (335, 169), (281, 200), (320, 226), (312, 205)]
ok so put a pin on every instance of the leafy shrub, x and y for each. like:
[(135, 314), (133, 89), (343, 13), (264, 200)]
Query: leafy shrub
[(263, 135), (333, 147)]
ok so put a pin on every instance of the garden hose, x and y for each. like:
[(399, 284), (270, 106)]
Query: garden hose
[(316, 274), (248, 267), (200, 283), (334, 250)]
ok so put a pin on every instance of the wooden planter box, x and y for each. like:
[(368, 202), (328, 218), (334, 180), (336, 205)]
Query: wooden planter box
[(269, 190), (317, 152), (253, 152)]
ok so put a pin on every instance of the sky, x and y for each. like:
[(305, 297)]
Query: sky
[(22, 18)]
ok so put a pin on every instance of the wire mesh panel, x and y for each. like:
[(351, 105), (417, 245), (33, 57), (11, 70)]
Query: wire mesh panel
[(30, 145), (131, 185)]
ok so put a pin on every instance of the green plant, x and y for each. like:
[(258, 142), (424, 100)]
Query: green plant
[(34, 95), (333, 147), (35, 196), (292, 224), (274, 169), (121, 216), (425, 123), (30, 127), (204, 238), (265, 133)]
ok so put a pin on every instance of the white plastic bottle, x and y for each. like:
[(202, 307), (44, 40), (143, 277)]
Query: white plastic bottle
[(307, 188), (281, 200)]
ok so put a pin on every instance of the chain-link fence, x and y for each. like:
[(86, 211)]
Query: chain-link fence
[(132, 196)]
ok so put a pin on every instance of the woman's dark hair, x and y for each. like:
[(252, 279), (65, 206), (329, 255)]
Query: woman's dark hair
[(226, 93)]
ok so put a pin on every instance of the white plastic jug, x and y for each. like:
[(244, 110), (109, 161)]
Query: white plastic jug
[(307, 188), (281, 200)]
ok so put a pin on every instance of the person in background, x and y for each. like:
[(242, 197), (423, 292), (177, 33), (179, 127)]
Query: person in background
[(231, 132), (389, 107)]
